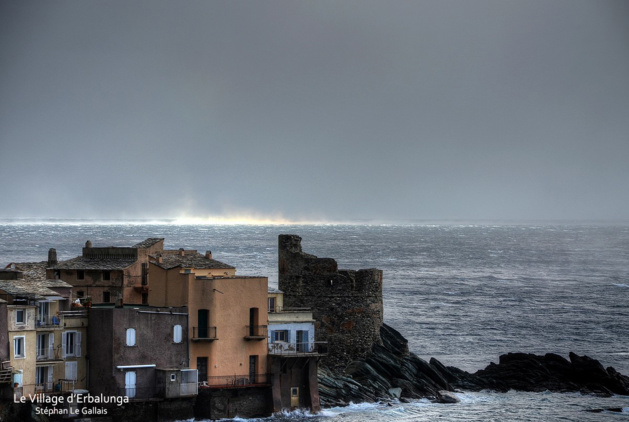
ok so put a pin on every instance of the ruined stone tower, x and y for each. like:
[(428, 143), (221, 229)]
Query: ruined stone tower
[(346, 304)]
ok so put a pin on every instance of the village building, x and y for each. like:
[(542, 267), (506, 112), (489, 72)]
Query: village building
[(227, 315), (46, 339), (293, 355), (140, 352), (107, 274)]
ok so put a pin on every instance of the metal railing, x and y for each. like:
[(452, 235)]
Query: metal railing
[(284, 348), (49, 321), (235, 381), (204, 333), (256, 331), (48, 353), (279, 309)]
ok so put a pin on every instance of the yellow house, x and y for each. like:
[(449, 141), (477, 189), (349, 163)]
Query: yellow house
[(46, 341), (227, 316)]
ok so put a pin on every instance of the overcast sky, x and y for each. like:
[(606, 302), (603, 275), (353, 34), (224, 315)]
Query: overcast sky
[(315, 110)]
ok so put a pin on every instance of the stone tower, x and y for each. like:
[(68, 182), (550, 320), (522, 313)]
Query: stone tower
[(346, 304)]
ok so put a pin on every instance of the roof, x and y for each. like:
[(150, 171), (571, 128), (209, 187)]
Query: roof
[(35, 273), (148, 242), (274, 290), (190, 259), (81, 263), (31, 290)]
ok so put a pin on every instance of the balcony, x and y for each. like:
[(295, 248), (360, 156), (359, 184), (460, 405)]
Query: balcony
[(49, 322), (256, 332), (313, 348), (48, 354), (204, 334), (59, 387), (6, 373), (235, 381)]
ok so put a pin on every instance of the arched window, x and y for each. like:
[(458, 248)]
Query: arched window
[(130, 336), (177, 334)]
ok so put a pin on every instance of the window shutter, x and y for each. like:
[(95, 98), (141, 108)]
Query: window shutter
[(71, 370), (177, 334), (51, 346), (63, 344), (130, 336), (77, 346)]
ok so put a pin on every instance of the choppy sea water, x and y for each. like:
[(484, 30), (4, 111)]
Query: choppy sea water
[(463, 293)]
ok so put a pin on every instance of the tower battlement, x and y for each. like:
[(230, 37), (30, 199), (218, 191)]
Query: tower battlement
[(347, 304)]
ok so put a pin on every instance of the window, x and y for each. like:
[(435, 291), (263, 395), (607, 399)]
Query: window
[(45, 345), (106, 297), (20, 316), (271, 305), (80, 293), (145, 298), (71, 343), (106, 276), (18, 347), (129, 384), (177, 334), (280, 335), (42, 313), (130, 336), (80, 275)]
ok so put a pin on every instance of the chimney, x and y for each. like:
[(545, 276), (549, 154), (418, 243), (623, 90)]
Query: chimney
[(208, 254), (88, 244), (52, 257), (181, 252), (160, 260)]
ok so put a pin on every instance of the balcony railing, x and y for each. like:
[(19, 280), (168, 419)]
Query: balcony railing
[(50, 321), (309, 348), (48, 353), (256, 332), (204, 334), (279, 309), (235, 381), (56, 387)]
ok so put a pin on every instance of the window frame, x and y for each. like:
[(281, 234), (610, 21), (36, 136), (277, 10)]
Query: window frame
[(130, 334), (23, 312), (21, 340)]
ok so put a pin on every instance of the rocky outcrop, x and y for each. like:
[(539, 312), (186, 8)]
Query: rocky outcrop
[(390, 372), (529, 372)]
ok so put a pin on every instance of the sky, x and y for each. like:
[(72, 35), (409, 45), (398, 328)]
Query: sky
[(327, 110)]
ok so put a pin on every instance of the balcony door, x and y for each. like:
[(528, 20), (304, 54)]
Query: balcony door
[(204, 319)]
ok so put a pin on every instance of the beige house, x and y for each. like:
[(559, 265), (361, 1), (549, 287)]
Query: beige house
[(46, 341), (227, 315)]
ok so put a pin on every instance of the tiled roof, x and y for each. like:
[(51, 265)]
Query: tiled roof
[(31, 290), (80, 263), (35, 272), (190, 260), (148, 242)]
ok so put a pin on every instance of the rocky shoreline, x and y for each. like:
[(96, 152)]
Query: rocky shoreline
[(391, 371)]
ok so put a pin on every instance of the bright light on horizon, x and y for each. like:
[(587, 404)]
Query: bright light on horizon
[(244, 219)]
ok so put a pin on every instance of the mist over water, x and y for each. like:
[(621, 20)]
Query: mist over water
[(462, 293)]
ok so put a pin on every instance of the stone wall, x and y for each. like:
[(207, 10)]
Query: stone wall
[(346, 304)]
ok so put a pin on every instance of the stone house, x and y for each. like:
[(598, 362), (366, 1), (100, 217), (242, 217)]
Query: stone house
[(107, 274), (140, 352)]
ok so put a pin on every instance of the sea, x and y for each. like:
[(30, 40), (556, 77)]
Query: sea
[(462, 292)]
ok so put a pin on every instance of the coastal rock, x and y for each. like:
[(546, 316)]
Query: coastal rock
[(388, 372), (529, 372)]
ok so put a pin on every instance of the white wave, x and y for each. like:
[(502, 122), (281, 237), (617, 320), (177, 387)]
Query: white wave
[(621, 285)]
